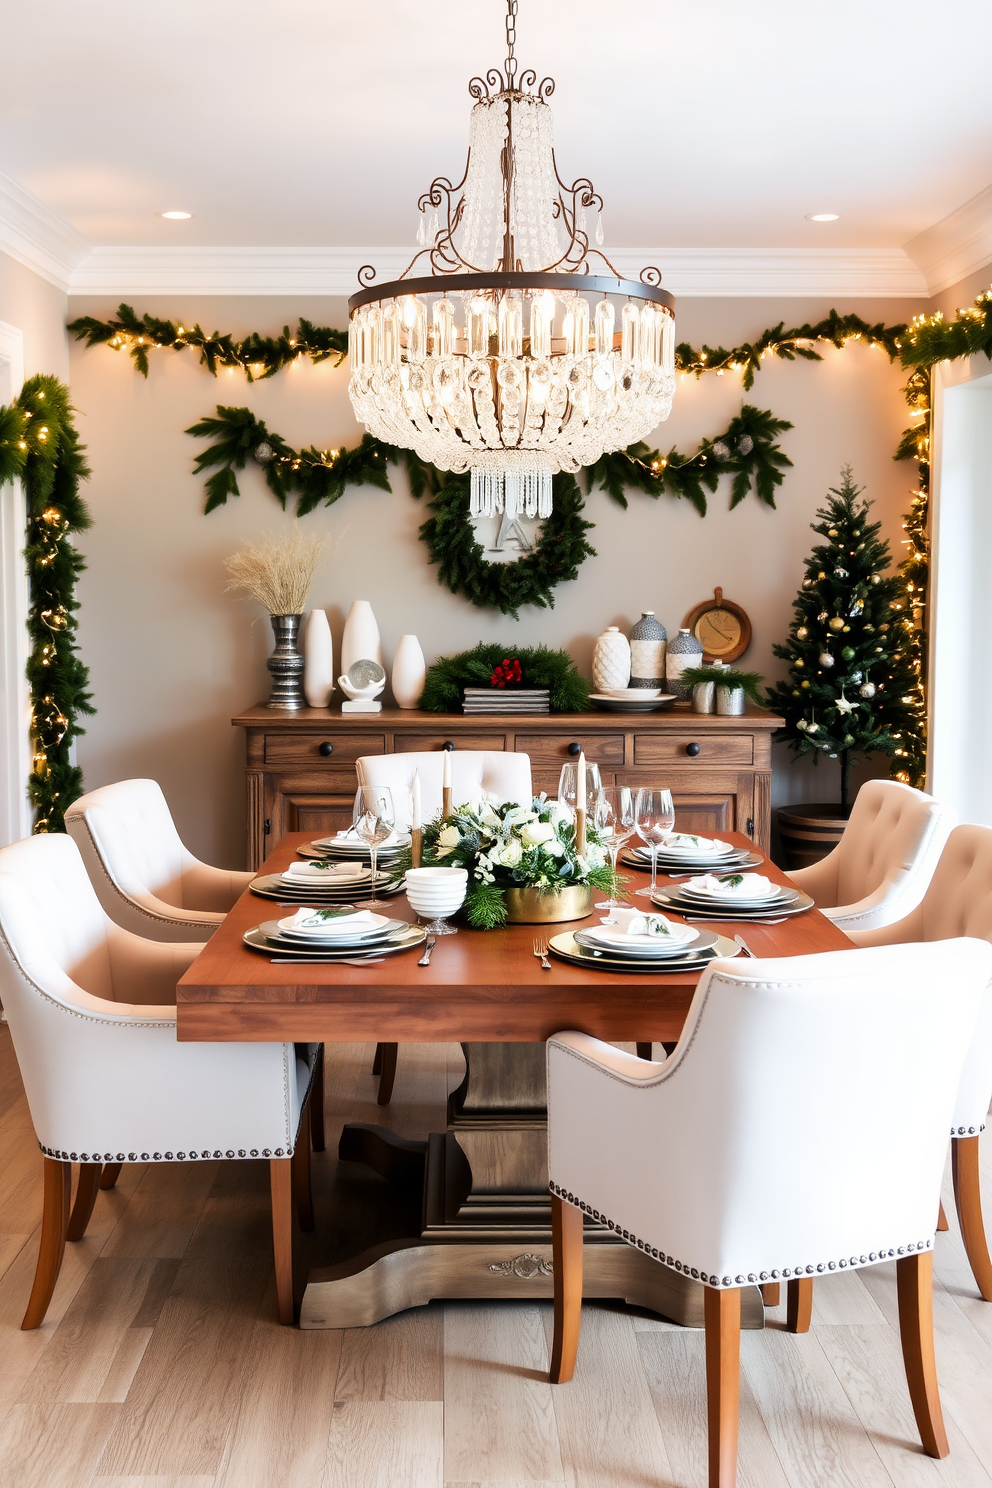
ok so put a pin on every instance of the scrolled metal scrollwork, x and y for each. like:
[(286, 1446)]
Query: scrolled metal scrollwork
[(366, 274), (650, 275)]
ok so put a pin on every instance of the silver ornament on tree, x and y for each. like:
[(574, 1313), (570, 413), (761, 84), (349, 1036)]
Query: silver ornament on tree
[(825, 659), (867, 690)]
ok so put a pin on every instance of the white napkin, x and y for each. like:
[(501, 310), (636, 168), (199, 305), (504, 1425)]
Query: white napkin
[(350, 835), (317, 872), (734, 885), (331, 921), (685, 842)]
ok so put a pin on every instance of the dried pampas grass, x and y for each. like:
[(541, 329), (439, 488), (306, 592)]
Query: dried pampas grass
[(277, 571)]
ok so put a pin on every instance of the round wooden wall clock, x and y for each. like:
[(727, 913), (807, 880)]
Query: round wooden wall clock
[(722, 626)]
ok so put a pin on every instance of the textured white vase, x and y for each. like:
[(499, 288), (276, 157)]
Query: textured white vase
[(611, 661), (318, 666), (360, 641), (409, 672)]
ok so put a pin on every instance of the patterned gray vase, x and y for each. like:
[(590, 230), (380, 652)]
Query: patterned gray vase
[(286, 665), (647, 652), (683, 651)]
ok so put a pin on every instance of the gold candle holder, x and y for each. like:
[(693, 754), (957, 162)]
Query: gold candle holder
[(416, 845), (580, 832), (446, 806)]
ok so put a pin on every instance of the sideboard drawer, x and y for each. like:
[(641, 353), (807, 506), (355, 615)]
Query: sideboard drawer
[(699, 749), (424, 743), (605, 749), (304, 749)]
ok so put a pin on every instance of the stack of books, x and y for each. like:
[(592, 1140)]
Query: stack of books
[(507, 700)]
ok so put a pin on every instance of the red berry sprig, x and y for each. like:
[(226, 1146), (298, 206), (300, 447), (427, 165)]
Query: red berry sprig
[(508, 673)]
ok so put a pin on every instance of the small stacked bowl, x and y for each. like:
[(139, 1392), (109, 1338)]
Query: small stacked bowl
[(435, 893)]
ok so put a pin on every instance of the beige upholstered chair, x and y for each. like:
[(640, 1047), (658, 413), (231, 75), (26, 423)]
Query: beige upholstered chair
[(92, 1016), (474, 773), (959, 902), (683, 1159), (501, 774), (145, 878), (881, 867)]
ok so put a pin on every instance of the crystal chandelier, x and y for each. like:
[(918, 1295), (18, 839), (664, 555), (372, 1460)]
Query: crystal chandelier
[(510, 358)]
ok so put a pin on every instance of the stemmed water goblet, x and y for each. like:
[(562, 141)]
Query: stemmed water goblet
[(568, 782), (373, 817), (612, 815), (654, 818)]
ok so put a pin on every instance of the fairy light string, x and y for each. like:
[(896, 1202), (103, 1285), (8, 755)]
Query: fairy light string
[(40, 446)]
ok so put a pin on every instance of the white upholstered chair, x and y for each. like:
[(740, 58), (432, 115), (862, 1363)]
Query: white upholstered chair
[(92, 1015), (844, 1067), (145, 878), (501, 774), (959, 902), (881, 866)]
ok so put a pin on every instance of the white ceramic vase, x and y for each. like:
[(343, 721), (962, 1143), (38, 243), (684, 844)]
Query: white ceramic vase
[(318, 668), (360, 641), (611, 661), (409, 672)]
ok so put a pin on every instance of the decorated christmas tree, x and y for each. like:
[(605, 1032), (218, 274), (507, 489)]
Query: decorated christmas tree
[(853, 688)]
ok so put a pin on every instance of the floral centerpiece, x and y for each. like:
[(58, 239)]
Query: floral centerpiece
[(521, 861)]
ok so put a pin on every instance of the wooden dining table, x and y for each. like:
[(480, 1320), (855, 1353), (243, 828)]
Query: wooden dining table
[(481, 1223)]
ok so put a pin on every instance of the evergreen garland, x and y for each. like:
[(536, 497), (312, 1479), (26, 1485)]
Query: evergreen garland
[(448, 676), (852, 687), (39, 443)]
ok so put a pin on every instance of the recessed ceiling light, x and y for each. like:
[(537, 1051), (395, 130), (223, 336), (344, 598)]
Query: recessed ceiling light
[(176, 216), (810, 216)]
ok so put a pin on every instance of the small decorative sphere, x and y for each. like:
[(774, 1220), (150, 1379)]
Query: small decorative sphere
[(745, 444), (826, 660), (884, 627), (807, 583), (263, 452), (840, 573), (721, 450), (848, 653), (821, 574), (836, 623), (802, 633), (867, 690), (876, 578), (832, 532), (806, 683), (799, 661), (847, 627)]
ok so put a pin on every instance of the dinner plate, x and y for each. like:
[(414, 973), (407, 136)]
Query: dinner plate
[(703, 940), (286, 895), (781, 895), (629, 704), (708, 909), (292, 950), (354, 850), (359, 937), (567, 948), (741, 859)]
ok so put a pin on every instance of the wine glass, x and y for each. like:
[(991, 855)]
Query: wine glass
[(373, 817), (568, 783), (654, 819), (613, 818)]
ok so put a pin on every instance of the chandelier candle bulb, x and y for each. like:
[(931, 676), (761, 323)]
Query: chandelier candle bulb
[(629, 322), (606, 320), (511, 326)]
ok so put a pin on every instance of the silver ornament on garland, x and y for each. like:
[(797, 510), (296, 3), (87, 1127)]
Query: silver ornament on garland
[(745, 444), (721, 450), (867, 690), (263, 452)]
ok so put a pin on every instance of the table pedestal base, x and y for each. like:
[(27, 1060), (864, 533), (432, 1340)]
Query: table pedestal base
[(485, 1230)]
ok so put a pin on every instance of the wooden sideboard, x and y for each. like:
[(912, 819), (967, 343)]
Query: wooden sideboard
[(301, 766)]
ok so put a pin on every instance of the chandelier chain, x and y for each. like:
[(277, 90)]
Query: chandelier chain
[(511, 41)]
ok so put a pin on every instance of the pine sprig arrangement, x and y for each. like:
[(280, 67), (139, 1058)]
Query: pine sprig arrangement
[(39, 443), (256, 356), (852, 688), (448, 676)]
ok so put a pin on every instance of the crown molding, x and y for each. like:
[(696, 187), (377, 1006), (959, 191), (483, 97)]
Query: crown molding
[(37, 237), (875, 272), (958, 245)]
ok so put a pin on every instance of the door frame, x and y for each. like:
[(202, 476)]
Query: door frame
[(15, 698)]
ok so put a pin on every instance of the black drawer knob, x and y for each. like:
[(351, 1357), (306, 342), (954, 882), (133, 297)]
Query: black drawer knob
[(575, 747), (692, 749), (325, 748), (448, 745)]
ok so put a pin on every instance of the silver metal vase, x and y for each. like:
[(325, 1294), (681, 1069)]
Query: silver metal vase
[(286, 665)]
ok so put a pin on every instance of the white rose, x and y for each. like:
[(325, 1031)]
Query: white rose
[(534, 833), (511, 854), (595, 856), (558, 813), (518, 815), (555, 848)]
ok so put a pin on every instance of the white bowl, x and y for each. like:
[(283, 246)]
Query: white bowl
[(436, 891)]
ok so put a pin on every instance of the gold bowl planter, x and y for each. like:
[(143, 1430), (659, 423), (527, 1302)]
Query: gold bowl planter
[(548, 906)]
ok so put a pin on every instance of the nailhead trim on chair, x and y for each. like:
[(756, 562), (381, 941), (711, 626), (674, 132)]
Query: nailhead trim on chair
[(886, 1253), (204, 1156), (967, 1131)]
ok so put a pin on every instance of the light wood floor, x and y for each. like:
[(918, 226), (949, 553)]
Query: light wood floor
[(161, 1364)]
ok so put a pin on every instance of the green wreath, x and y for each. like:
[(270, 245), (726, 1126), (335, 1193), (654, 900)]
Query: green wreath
[(460, 558)]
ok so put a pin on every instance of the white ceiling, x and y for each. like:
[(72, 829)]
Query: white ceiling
[(704, 123)]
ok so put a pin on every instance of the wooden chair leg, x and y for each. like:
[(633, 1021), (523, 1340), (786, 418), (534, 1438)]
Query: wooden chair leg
[(722, 1318), (302, 1187), (566, 1237), (54, 1223), (968, 1200), (771, 1293), (942, 1218), (799, 1305), (281, 1183), (644, 1050), (86, 1191), (317, 1104), (914, 1281), (387, 1073), (377, 1059)]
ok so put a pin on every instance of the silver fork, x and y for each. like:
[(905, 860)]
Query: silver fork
[(425, 959), (541, 949)]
